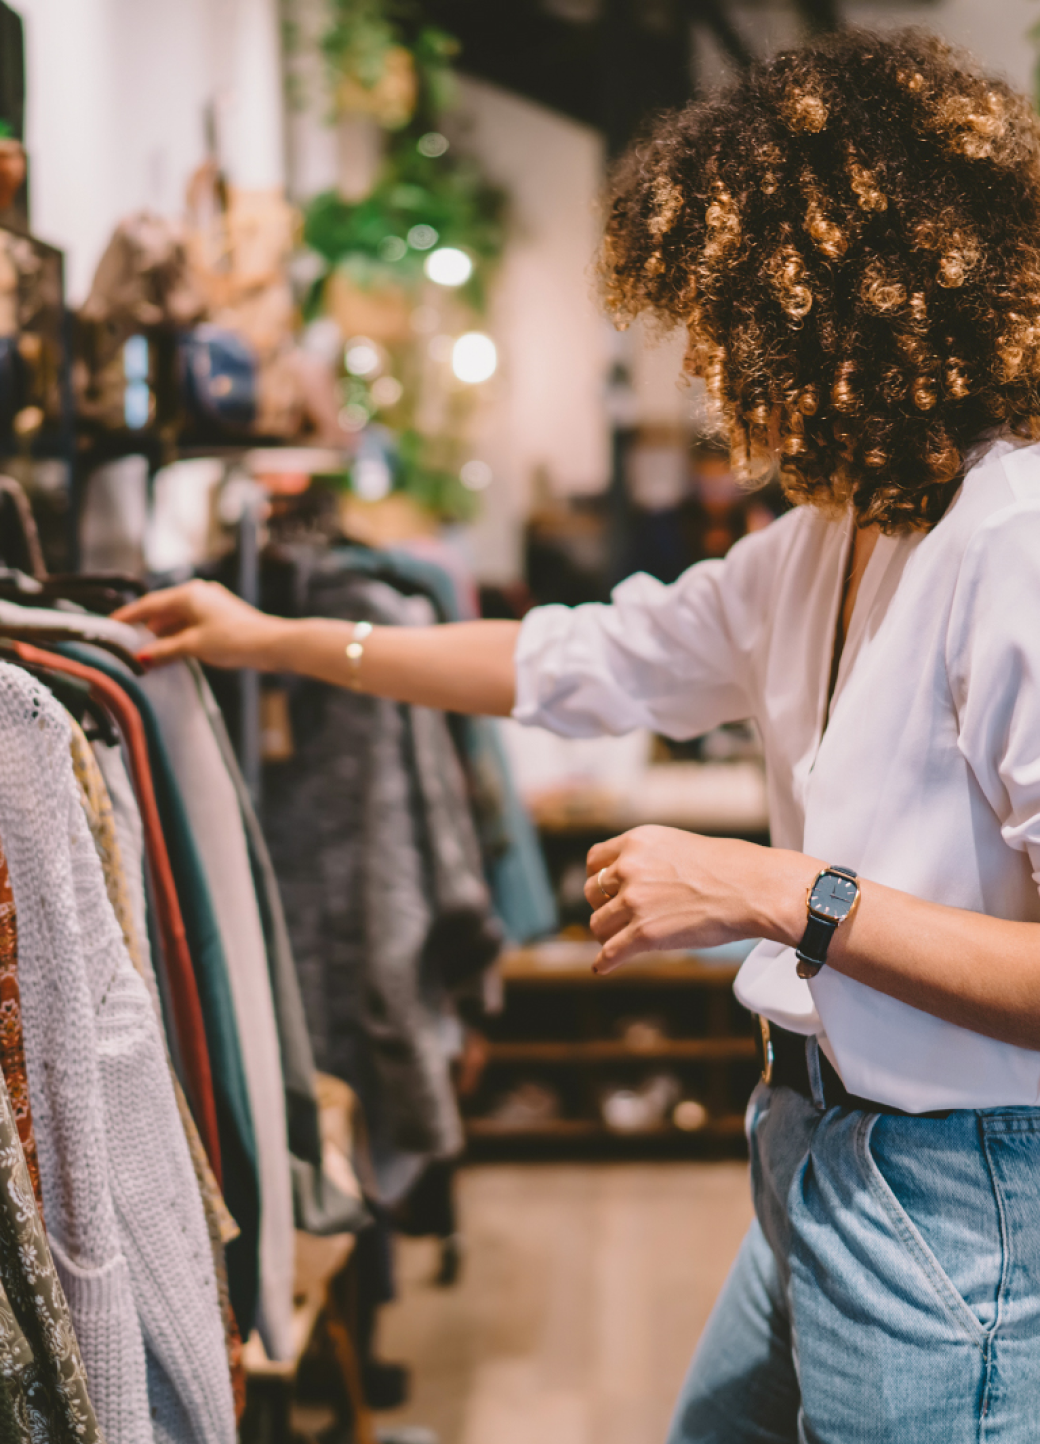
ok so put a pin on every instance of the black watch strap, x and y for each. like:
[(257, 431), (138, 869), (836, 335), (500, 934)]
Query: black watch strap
[(811, 952), (815, 941)]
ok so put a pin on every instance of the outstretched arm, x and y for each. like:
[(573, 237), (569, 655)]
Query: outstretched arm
[(656, 888), (460, 667)]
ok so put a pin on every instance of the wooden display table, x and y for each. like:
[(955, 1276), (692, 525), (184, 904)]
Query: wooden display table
[(318, 1262)]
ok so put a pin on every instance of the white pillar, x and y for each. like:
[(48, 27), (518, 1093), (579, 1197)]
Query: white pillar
[(253, 129)]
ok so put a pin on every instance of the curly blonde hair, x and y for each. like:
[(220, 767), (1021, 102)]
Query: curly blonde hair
[(851, 237)]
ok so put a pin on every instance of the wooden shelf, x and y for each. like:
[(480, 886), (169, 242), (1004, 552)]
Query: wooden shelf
[(564, 964), (616, 1050), (565, 1130), (691, 1026), (562, 1128), (712, 797)]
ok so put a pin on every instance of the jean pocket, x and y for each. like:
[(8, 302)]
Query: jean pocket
[(933, 1182)]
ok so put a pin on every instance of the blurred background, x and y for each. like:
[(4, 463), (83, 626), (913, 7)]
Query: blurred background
[(295, 286)]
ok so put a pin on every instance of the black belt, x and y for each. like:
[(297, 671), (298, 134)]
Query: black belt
[(785, 1064)]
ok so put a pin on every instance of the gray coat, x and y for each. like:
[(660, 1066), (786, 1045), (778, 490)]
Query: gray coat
[(373, 841)]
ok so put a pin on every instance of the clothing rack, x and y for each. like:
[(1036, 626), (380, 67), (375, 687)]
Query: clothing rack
[(384, 1178), (249, 740), (194, 969)]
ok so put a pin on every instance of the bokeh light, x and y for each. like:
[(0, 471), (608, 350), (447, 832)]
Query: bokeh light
[(448, 266), (386, 391), (392, 248), (474, 357), (432, 144), (361, 357), (421, 238), (476, 475), (353, 417)]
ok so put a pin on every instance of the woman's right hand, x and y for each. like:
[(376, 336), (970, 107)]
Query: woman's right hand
[(204, 620)]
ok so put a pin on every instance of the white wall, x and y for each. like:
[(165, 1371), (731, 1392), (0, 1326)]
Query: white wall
[(545, 411), (117, 91), (992, 30)]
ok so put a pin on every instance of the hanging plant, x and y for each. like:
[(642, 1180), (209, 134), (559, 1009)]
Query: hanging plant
[(423, 199), (410, 257), (381, 59)]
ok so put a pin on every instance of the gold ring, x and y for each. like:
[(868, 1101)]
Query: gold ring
[(610, 896)]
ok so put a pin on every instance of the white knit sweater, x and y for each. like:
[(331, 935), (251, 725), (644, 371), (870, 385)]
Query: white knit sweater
[(123, 1213)]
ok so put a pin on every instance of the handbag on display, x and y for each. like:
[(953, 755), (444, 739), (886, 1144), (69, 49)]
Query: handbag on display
[(218, 372)]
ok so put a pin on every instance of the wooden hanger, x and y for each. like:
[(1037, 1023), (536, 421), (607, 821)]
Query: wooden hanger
[(27, 534)]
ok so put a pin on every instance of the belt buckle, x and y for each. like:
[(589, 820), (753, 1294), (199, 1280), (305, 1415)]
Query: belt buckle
[(765, 1042)]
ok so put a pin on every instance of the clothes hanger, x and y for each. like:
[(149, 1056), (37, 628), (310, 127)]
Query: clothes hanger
[(97, 592), (115, 581), (100, 593), (36, 585), (74, 695), (40, 636), (90, 594), (26, 532)]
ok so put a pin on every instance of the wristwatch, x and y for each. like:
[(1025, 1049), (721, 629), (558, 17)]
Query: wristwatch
[(832, 898)]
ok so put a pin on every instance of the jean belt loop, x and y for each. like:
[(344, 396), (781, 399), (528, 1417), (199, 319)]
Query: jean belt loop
[(812, 1060)]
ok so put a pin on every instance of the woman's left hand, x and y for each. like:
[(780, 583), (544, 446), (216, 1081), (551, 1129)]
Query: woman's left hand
[(660, 887)]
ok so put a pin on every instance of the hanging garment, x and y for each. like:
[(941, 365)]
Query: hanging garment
[(190, 1024), (17, 617), (213, 813), (516, 868), (122, 851), (97, 808), (320, 1205), (62, 938), (513, 859), (43, 1384), (298, 1069), (323, 1201), (297, 1055), (170, 836), (12, 1037), (375, 852), (123, 1209), (129, 830), (119, 838)]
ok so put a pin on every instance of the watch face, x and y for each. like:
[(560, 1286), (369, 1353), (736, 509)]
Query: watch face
[(833, 896)]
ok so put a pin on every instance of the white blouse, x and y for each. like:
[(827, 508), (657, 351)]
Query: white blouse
[(926, 777)]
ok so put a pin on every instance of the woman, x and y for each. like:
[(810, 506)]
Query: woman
[(851, 237)]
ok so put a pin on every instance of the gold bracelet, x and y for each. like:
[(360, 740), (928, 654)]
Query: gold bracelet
[(355, 652)]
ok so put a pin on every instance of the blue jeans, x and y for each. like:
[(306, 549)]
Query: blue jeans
[(888, 1291)]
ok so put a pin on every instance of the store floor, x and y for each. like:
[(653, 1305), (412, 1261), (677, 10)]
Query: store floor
[(583, 1292)]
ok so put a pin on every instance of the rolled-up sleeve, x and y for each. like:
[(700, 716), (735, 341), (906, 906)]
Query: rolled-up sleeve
[(993, 663), (676, 659)]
